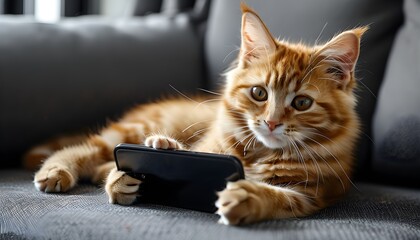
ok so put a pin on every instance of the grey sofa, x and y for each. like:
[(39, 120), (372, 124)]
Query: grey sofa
[(79, 73)]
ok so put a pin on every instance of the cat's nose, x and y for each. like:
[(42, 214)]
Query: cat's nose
[(273, 124)]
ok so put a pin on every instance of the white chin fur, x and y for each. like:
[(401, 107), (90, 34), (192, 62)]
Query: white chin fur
[(271, 142)]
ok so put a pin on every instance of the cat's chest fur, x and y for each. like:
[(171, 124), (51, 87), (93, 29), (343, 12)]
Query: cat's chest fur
[(272, 167)]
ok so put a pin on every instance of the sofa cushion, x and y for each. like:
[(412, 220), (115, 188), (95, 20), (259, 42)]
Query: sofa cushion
[(369, 212), (78, 73), (304, 20), (397, 119)]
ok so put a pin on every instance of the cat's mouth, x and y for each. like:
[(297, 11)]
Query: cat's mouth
[(272, 139)]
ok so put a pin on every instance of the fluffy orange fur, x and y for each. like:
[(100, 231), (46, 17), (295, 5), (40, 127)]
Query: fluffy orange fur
[(287, 111)]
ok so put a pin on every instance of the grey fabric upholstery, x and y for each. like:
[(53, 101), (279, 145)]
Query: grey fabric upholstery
[(305, 20), (58, 78), (371, 212), (78, 73), (397, 118), (145, 7)]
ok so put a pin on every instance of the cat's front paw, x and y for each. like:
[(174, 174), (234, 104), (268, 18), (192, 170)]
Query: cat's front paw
[(54, 179), (121, 188), (162, 142), (239, 203)]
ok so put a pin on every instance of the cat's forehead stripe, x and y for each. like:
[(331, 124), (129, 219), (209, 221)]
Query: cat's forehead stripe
[(292, 86), (274, 79), (268, 78)]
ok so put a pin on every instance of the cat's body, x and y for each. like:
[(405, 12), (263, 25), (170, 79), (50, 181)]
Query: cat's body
[(287, 112)]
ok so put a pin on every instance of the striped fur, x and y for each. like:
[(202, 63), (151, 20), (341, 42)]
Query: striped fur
[(296, 161)]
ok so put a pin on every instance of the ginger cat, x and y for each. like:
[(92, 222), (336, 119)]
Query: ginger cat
[(287, 111)]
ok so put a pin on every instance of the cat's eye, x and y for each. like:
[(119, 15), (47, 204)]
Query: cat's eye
[(259, 93), (302, 103)]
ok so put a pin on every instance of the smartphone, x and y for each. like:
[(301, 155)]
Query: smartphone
[(178, 178)]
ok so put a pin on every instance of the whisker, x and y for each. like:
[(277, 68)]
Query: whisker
[(182, 94), (192, 125), (364, 85), (300, 159), (198, 132), (249, 143), (234, 50), (318, 134), (335, 158), (290, 203), (211, 92), (318, 65), (253, 145), (330, 79), (365, 134), (250, 51), (207, 101), (331, 168), (317, 167), (310, 67), (319, 91), (313, 150), (238, 142), (228, 138), (310, 71), (320, 34)]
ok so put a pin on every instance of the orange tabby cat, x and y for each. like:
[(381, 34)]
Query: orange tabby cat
[(287, 112)]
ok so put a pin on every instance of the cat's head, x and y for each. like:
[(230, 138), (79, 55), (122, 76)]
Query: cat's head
[(285, 92)]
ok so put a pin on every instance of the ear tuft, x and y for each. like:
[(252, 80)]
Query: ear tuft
[(245, 8), (360, 31)]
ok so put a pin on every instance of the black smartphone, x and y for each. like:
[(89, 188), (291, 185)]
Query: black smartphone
[(177, 178)]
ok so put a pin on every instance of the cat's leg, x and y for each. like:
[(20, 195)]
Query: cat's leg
[(101, 173), (247, 201), (123, 189), (61, 171), (33, 159)]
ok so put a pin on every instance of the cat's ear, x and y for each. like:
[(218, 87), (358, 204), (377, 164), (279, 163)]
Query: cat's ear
[(341, 53), (256, 40)]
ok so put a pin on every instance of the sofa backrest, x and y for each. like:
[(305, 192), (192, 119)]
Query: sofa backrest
[(82, 72), (306, 20)]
